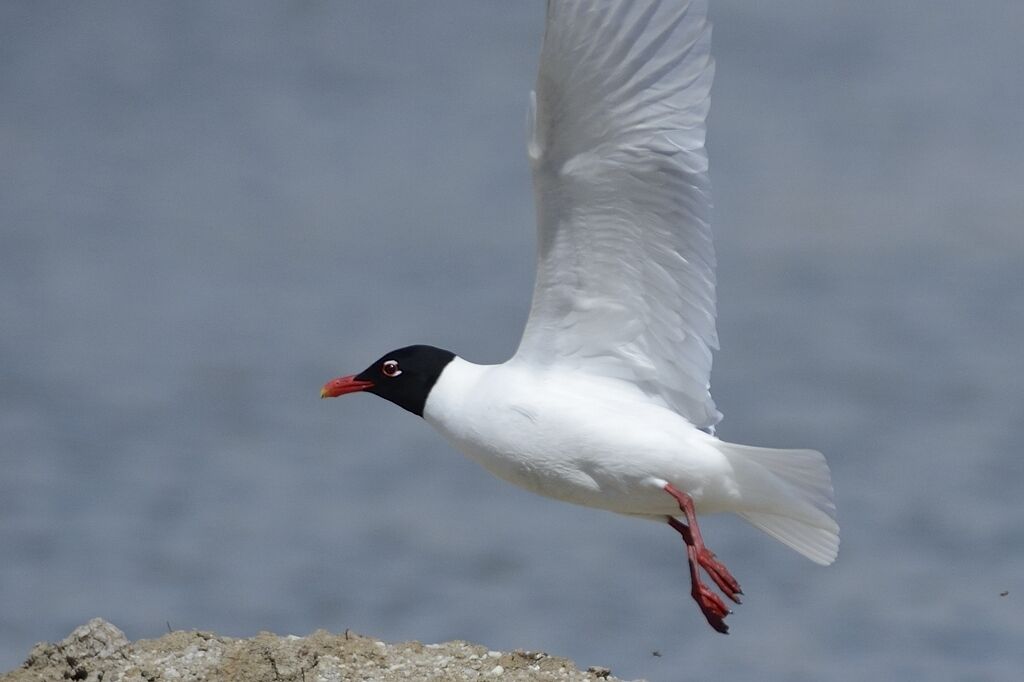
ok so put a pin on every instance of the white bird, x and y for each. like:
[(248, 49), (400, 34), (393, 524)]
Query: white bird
[(606, 402)]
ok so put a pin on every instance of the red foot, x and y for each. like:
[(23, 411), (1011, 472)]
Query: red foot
[(713, 608), (710, 603), (720, 574)]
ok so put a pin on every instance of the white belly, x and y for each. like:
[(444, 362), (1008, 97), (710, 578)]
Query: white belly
[(575, 440)]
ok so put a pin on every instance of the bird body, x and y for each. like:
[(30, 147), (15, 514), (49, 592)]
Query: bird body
[(574, 437), (598, 442), (607, 401)]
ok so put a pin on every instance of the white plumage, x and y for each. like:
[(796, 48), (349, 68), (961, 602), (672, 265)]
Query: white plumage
[(625, 284), (626, 269)]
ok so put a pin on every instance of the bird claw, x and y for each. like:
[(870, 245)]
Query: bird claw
[(710, 602), (712, 607), (719, 574)]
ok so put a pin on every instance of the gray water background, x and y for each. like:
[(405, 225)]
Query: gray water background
[(209, 208)]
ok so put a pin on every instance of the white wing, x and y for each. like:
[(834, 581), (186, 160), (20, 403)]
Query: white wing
[(626, 270)]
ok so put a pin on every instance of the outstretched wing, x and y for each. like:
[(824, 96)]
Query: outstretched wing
[(625, 270)]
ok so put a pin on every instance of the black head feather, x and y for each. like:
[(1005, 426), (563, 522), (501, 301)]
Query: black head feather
[(406, 376)]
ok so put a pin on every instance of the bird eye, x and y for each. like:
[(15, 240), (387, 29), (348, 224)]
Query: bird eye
[(390, 368)]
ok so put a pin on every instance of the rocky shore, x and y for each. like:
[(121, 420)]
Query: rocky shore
[(99, 651)]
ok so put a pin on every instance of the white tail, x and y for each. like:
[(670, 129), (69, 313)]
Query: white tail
[(788, 494)]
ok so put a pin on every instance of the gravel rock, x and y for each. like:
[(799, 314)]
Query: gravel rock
[(98, 651)]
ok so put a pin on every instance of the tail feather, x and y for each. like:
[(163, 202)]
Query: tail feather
[(788, 494), (820, 545)]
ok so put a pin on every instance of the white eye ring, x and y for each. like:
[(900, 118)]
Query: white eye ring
[(390, 368)]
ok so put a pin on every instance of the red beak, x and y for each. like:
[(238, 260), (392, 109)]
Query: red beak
[(343, 385)]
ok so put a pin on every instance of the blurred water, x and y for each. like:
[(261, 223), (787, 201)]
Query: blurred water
[(207, 209)]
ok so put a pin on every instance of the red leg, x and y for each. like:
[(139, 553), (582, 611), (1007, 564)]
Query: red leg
[(699, 555), (710, 603), (705, 557)]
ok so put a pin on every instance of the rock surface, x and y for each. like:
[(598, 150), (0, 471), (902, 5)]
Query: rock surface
[(99, 651)]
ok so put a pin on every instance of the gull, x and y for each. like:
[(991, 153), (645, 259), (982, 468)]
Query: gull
[(606, 402)]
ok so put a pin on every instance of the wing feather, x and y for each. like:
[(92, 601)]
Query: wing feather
[(625, 283)]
